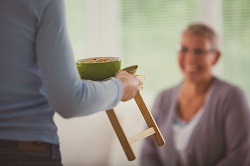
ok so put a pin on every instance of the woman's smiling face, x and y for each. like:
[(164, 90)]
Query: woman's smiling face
[(196, 57)]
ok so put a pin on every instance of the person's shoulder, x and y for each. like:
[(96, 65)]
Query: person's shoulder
[(227, 88), (232, 98)]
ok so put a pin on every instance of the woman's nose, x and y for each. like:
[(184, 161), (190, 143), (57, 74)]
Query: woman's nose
[(190, 56)]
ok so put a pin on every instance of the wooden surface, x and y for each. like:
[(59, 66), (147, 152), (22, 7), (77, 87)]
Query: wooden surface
[(141, 135)]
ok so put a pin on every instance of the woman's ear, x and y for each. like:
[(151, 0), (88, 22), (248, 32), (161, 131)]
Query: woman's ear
[(216, 58)]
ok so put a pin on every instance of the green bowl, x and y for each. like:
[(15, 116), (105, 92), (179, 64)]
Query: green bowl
[(98, 71)]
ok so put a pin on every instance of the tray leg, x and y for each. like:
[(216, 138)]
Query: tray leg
[(121, 135), (149, 120)]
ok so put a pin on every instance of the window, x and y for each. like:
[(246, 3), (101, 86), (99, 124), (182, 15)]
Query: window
[(75, 14), (236, 42), (150, 30)]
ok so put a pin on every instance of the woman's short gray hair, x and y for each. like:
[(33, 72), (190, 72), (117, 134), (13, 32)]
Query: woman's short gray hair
[(203, 30)]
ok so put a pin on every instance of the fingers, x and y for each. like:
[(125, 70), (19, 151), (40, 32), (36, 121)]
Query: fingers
[(131, 84), (141, 79)]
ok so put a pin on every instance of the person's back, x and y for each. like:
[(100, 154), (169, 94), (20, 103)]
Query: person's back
[(23, 103), (38, 75)]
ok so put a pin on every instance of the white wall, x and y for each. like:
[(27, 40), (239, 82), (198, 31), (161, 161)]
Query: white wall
[(102, 31), (85, 140)]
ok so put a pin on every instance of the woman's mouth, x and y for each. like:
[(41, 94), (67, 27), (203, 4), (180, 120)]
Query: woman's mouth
[(191, 68)]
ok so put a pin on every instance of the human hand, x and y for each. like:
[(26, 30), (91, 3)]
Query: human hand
[(131, 85)]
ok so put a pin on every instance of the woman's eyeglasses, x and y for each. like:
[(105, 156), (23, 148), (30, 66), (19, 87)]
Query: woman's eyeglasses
[(197, 51)]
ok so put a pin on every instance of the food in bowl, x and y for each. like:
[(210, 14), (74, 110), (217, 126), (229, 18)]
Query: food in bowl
[(98, 68), (98, 60)]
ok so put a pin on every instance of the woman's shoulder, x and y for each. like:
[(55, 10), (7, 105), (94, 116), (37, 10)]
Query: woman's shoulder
[(226, 88), (230, 99), (228, 95)]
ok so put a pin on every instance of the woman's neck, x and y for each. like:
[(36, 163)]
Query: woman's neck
[(192, 97), (191, 88)]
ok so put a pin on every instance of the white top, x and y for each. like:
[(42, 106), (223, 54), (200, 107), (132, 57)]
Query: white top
[(182, 131)]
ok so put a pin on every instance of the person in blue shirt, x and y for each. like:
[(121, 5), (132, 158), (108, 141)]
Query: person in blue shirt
[(38, 77)]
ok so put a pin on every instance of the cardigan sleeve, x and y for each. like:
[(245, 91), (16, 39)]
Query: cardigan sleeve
[(67, 93), (237, 131)]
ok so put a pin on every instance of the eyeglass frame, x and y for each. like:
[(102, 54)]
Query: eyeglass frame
[(197, 51)]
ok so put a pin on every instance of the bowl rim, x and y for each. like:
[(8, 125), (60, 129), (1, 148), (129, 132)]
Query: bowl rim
[(113, 59)]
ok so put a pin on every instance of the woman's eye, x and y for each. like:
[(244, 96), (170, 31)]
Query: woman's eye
[(199, 52)]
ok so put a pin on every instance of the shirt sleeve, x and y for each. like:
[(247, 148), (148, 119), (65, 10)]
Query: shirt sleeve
[(237, 133), (67, 93)]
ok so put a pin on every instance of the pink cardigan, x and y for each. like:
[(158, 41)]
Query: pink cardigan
[(221, 137)]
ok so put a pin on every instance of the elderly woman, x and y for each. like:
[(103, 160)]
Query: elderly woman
[(205, 120)]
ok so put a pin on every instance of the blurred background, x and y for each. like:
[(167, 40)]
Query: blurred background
[(145, 32)]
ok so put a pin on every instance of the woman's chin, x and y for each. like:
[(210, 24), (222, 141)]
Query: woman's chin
[(191, 76)]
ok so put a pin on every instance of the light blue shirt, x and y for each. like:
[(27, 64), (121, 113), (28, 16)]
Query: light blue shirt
[(38, 76)]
